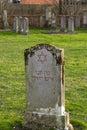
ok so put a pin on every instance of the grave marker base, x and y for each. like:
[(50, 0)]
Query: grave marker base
[(46, 122)]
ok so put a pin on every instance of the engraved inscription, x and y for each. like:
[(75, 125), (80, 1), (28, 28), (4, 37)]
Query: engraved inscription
[(42, 57), (42, 75)]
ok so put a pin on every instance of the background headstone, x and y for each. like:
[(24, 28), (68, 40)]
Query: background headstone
[(42, 21), (48, 16), (20, 24), (77, 21), (45, 96), (25, 26), (71, 24), (5, 20), (85, 19), (15, 24), (62, 24), (53, 21)]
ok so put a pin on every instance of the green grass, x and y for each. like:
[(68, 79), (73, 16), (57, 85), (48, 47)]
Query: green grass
[(12, 74)]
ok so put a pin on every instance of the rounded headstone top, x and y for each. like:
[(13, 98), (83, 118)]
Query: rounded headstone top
[(56, 52)]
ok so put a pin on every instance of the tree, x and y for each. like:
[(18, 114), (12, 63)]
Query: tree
[(68, 8), (71, 7), (3, 4)]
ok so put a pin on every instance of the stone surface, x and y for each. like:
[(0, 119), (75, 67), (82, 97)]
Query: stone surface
[(53, 21), (20, 24), (62, 23), (25, 26), (85, 19), (42, 21), (48, 13), (45, 97), (5, 20), (71, 24), (48, 16), (77, 21), (15, 24)]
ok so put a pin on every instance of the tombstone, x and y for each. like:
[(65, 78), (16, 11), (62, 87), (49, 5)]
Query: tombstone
[(5, 21), (48, 16), (25, 26), (20, 24), (10, 1), (15, 24), (45, 95), (85, 20), (62, 24), (42, 21), (53, 21), (71, 24), (77, 21)]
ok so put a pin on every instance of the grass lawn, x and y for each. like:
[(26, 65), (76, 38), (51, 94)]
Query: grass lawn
[(12, 74)]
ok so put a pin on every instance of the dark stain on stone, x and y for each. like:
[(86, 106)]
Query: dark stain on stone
[(52, 49)]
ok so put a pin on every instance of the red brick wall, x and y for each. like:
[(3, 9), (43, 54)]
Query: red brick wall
[(1, 24), (33, 12)]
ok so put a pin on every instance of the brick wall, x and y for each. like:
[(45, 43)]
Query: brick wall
[(1, 24), (33, 12)]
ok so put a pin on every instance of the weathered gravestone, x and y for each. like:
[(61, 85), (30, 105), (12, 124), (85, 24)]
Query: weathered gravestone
[(71, 24), (5, 20), (15, 24), (25, 26), (20, 24), (77, 21), (85, 19), (62, 24), (48, 16), (44, 65), (53, 21), (42, 21)]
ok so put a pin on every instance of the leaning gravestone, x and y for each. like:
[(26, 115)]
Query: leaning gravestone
[(45, 95)]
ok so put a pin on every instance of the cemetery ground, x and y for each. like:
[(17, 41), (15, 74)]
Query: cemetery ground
[(12, 75)]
